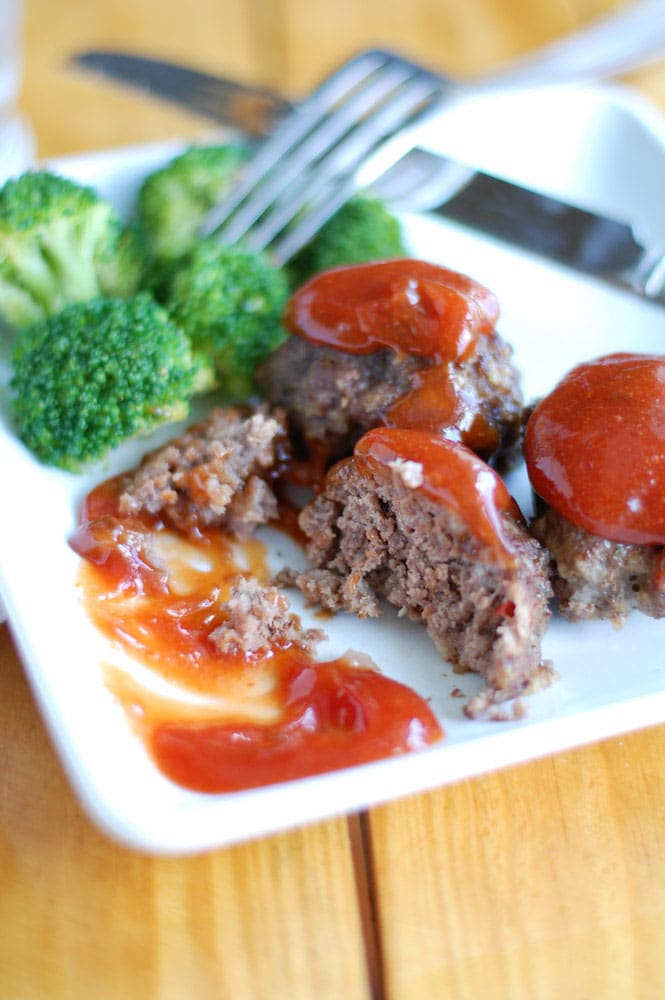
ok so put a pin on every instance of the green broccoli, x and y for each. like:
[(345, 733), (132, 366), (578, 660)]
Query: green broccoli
[(60, 242), (362, 230), (97, 373), (230, 302), (173, 200)]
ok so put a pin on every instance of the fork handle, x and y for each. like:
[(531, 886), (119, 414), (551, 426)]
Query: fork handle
[(615, 43)]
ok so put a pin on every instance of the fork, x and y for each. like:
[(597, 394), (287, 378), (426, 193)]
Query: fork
[(305, 170), (341, 138)]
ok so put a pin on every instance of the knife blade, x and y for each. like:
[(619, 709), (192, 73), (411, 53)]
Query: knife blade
[(254, 110), (582, 240), (535, 222)]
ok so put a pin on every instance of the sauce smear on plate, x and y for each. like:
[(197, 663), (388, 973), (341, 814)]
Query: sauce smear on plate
[(229, 720)]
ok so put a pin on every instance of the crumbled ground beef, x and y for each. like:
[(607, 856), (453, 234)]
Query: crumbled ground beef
[(376, 537), (216, 473), (594, 577), (259, 619)]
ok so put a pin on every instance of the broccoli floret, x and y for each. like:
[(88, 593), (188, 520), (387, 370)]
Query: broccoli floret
[(60, 242), (97, 373), (362, 230), (173, 201), (230, 302)]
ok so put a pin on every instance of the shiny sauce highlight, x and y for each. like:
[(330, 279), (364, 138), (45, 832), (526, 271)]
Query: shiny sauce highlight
[(411, 307), (447, 473), (595, 448)]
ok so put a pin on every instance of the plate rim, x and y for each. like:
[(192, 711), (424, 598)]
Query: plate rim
[(187, 836)]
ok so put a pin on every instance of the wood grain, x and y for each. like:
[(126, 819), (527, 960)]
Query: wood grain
[(84, 917), (542, 881)]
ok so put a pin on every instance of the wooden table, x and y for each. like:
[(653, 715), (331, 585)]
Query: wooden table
[(542, 881)]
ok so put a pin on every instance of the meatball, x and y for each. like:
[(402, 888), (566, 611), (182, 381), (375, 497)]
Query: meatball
[(429, 527)]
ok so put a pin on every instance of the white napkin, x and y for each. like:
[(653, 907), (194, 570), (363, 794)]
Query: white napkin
[(17, 147)]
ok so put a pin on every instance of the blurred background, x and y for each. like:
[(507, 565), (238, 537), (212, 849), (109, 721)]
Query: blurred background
[(286, 44)]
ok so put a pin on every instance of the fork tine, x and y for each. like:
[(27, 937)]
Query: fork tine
[(342, 162), (305, 170), (402, 178), (327, 135), (297, 125), (309, 225)]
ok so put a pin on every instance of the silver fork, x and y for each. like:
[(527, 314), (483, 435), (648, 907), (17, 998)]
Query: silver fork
[(338, 140), (306, 169)]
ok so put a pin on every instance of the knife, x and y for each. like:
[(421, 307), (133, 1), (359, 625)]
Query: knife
[(596, 245), (254, 110)]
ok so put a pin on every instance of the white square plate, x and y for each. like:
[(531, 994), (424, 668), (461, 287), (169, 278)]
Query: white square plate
[(600, 147)]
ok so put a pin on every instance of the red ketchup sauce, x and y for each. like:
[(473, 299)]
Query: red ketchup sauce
[(595, 448), (333, 714), (412, 307), (449, 474), (283, 714)]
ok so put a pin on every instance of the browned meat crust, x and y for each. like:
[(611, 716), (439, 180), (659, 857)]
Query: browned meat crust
[(378, 538), (594, 577), (333, 397), (216, 473), (258, 620)]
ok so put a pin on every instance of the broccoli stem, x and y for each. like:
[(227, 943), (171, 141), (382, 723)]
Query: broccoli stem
[(71, 255)]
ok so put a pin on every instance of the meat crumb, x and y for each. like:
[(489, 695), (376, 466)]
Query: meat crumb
[(484, 704), (520, 710), (410, 474), (215, 474), (258, 620), (372, 538), (501, 713)]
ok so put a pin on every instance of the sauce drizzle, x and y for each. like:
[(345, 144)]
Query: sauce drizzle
[(249, 720), (449, 474), (412, 307)]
